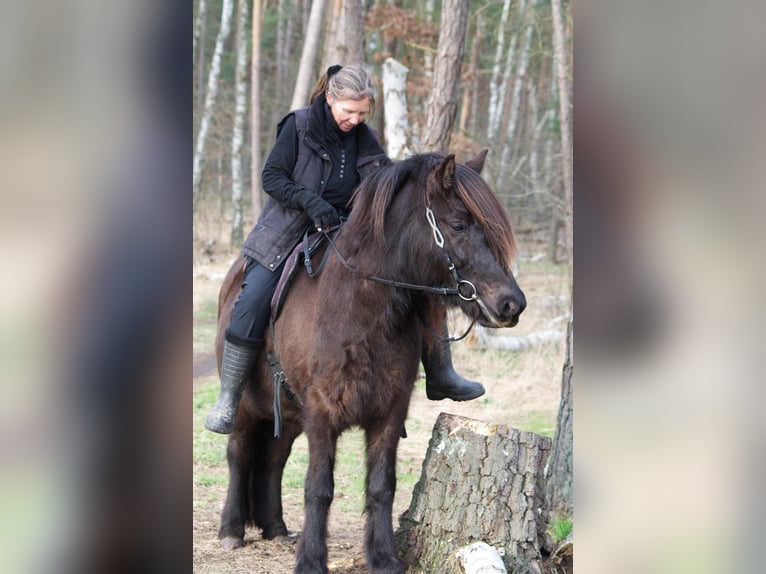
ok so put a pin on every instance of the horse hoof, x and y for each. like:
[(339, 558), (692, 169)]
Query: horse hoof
[(289, 538), (231, 543)]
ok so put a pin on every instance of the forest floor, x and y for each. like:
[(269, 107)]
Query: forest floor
[(522, 392)]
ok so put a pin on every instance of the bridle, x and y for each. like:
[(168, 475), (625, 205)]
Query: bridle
[(460, 284)]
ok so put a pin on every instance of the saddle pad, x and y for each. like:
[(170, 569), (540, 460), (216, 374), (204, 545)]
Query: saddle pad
[(291, 264)]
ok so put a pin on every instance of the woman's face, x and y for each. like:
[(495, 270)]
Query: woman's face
[(348, 113)]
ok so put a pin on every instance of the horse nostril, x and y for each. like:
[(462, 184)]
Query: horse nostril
[(514, 307)]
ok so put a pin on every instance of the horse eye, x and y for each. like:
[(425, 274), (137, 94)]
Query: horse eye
[(457, 226)]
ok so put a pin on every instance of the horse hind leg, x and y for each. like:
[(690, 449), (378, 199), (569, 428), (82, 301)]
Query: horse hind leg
[(269, 489), (256, 462), (236, 510), (380, 544)]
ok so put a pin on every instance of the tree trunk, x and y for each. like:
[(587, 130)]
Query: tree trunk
[(345, 40), (558, 487), (333, 25), (240, 108), (566, 137), (442, 105), (495, 99), (200, 27), (560, 473), (480, 482), (212, 90), (520, 76), (306, 72), (255, 111), (471, 93), (395, 102)]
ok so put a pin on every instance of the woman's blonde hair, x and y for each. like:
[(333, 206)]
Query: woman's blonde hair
[(346, 83)]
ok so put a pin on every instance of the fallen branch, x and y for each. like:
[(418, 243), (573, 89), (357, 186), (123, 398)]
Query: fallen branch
[(486, 341)]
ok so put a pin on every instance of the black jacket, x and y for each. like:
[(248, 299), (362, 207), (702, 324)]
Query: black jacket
[(309, 165)]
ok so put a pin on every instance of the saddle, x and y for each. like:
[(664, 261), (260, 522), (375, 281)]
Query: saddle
[(301, 254)]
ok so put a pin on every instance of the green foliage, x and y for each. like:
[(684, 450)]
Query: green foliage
[(559, 528)]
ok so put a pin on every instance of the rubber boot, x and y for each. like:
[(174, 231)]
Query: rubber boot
[(442, 381), (235, 367)]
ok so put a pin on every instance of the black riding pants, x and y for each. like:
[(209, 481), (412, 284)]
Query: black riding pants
[(252, 310)]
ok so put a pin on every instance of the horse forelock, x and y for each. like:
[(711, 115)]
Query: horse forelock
[(489, 214)]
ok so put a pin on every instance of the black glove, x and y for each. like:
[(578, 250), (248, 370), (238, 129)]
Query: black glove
[(321, 213)]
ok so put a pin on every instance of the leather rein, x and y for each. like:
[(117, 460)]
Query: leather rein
[(470, 295)]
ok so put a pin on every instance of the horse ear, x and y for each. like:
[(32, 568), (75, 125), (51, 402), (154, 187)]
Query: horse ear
[(445, 173), (477, 163)]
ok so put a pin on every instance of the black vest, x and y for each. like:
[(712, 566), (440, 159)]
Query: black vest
[(279, 228)]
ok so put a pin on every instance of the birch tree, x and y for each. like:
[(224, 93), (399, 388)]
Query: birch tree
[(442, 105), (520, 76), (495, 110), (239, 123), (212, 90), (200, 29), (469, 107), (305, 77), (395, 102)]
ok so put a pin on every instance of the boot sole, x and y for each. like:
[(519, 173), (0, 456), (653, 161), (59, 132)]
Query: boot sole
[(438, 396)]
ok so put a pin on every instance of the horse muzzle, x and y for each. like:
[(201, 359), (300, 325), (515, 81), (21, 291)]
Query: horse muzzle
[(502, 310)]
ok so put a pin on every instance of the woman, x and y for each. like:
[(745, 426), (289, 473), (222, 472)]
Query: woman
[(321, 154)]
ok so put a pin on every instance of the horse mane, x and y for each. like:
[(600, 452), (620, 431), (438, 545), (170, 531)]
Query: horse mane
[(373, 197)]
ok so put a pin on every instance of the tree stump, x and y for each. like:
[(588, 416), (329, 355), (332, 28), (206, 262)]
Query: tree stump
[(480, 482)]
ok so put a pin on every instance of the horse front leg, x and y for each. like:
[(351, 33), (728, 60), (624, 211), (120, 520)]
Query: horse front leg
[(380, 544), (319, 489)]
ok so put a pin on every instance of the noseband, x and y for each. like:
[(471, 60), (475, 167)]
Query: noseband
[(463, 288)]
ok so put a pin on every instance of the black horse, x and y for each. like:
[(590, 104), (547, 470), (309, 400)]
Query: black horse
[(422, 232)]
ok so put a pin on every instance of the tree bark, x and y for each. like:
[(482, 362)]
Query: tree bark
[(212, 90), (566, 136), (519, 77), (395, 102), (345, 40), (560, 470), (200, 27), (480, 482), (306, 70), (560, 473), (333, 37), (470, 95), (255, 111), (442, 105), (240, 108), (495, 95)]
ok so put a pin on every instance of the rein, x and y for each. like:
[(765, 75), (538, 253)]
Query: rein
[(472, 295)]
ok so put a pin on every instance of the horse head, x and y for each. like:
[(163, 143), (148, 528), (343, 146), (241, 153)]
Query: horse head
[(428, 213), (477, 239)]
